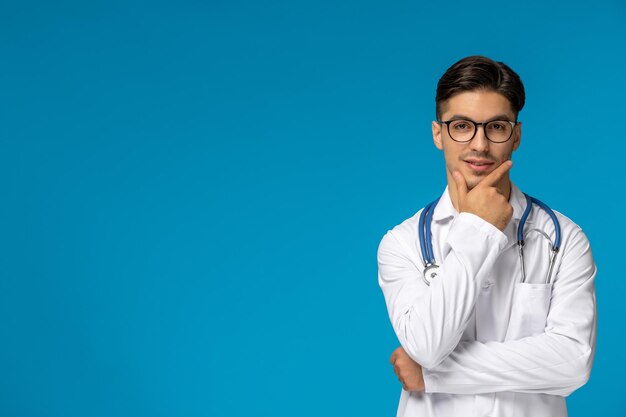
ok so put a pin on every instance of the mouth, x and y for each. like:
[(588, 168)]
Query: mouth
[(479, 165)]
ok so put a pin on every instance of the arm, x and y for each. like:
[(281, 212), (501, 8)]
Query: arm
[(429, 321), (557, 361)]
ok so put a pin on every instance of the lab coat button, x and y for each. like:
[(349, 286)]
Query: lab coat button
[(486, 286)]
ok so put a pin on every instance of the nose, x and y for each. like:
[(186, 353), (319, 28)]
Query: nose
[(480, 143)]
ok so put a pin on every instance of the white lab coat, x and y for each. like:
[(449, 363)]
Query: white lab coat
[(488, 344)]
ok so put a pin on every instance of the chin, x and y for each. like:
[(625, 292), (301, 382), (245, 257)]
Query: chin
[(471, 184), (473, 180)]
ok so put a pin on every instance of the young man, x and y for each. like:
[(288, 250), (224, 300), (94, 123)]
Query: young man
[(487, 332)]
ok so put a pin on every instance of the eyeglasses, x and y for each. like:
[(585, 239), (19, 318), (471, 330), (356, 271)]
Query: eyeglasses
[(463, 131)]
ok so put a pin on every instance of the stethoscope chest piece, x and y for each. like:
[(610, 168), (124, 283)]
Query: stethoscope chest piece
[(430, 272)]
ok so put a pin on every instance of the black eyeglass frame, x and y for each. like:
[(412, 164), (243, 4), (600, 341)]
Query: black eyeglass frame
[(476, 124)]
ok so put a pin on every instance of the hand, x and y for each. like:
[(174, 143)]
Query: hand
[(408, 371), (485, 200)]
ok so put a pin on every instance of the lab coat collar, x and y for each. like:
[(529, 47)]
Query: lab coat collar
[(445, 210)]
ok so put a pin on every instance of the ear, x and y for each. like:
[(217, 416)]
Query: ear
[(437, 135), (517, 136)]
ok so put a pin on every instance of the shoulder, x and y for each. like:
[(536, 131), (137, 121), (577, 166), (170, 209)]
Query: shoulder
[(574, 242), (574, 265), (402, 239), (569, 229), (406, 229)]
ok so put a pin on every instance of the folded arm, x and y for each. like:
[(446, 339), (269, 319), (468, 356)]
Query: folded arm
[(429, 321), (557, 361)]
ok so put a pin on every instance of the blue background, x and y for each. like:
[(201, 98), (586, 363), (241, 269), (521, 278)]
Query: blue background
[(193, 192)]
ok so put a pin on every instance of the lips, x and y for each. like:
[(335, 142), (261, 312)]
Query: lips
[(479, 165)]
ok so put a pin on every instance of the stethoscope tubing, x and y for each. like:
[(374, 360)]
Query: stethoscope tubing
[(426, 245), (557, 226), (425, 221)]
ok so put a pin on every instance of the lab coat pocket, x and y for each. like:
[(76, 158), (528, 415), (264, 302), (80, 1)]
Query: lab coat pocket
[(529, 311)]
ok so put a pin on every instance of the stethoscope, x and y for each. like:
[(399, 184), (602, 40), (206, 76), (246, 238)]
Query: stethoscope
[(426, 244)]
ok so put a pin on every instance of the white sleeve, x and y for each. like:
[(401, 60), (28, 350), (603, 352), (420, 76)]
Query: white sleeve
[(557, 361), (429, 321)]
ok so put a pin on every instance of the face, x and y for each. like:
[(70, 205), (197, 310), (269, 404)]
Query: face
[(478, 157)]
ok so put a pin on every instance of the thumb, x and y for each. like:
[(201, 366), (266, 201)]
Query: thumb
[(461, 185)]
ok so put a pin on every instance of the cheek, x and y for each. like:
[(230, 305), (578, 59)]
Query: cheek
[(449, 153), (502, 155), (453, 158), (453, 164), (508, 155)]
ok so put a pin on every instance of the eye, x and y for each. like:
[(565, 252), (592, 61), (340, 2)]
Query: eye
[(498, 126), (461, 126)]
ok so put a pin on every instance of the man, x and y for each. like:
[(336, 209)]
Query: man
[(487, 334)]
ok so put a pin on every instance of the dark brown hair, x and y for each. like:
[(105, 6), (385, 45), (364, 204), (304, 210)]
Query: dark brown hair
[(480, 73)]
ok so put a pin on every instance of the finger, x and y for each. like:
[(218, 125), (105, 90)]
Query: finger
[(461, 185), (394, 355), (497, 174)]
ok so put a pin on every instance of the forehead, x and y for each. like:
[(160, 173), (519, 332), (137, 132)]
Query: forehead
[(477, 105)]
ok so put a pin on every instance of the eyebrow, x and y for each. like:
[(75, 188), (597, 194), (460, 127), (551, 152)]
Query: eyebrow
[(498, 117)]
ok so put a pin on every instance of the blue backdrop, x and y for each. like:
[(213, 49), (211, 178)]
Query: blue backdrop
[(193, 192)]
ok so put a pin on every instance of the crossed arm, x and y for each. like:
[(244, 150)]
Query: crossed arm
[(429, 321)]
